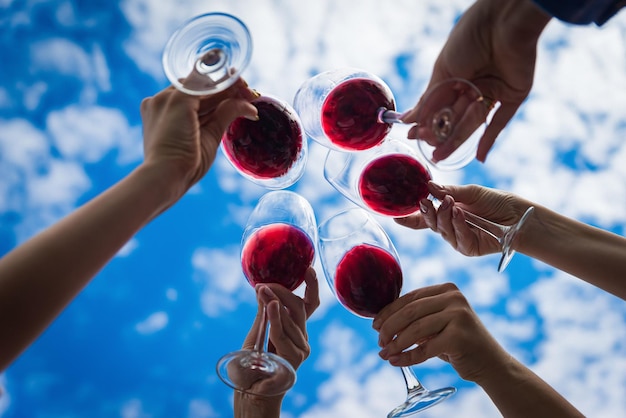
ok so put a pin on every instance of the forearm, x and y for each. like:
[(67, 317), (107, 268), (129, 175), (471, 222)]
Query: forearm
[(39, 278), (518, 392), (589, 253), (250, 406)]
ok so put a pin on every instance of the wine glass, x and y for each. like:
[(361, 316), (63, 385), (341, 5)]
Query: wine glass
[(272, 151), (278, 246), (391, 179), (352, 110), (362, 267), (206, 55)]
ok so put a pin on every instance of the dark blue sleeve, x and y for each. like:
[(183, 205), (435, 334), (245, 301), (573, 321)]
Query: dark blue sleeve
[(582, 12)]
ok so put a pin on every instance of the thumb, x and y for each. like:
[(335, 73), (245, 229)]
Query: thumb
[(462, 194)]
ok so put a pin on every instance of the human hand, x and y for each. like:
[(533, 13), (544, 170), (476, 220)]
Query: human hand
[(493, 45), (442, 323), (182, 132), (287, 314), (449, 221)]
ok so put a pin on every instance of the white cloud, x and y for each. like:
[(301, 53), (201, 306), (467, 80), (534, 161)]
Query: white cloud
[(219, 273), (153, 323), (89, 133)]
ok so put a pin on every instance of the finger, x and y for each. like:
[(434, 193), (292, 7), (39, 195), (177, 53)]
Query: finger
[(420, 330), (500, 119), (444, 221), (292, 302), (227, 112), (415, 221), (429, 214), (404, 300), (472, 118), (311, 292), (417, 355), (289, 340)]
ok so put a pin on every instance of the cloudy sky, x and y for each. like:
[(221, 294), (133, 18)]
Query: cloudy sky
[(143, 338)]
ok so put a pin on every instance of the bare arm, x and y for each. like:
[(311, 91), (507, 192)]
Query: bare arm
[(39, 278), (589, 253)]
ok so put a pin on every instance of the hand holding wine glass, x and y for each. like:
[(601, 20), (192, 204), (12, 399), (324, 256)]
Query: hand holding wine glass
[(278, 246), (287, 314), (182, 133), (362, 268), (391, 180), (205, 56), (449, 218)]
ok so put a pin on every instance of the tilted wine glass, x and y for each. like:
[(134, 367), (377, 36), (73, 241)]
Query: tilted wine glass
[(272, 151), (278, 246), (391, 179), (205, 56), (352, 110), (362, 268)]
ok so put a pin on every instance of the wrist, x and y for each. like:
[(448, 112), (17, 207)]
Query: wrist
[(252, 406), (166, 185), (521, 20)]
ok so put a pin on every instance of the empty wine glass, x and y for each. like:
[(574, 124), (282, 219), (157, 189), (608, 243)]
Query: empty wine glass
[(278, 246), (272, 151), (391, 179), (206, 55), (362, 268), (352, 110)]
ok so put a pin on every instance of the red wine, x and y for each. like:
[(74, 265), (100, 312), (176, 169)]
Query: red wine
[(266, 148), (394, 184), (368, 278), (277, 253), (350, 114)]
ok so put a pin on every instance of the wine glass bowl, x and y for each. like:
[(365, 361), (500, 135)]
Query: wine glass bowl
[(278, 246), (207, 53), (389, 180), (339, 108), (271, 151), (363, 270)]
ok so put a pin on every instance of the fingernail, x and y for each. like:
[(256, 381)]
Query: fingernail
[(423, 207), (436, 186), (255, 93), (455, 212), (393, 359), (376, 325), (445, 204), (383, 353)]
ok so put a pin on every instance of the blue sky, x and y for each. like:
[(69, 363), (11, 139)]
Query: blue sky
[(143, 338)]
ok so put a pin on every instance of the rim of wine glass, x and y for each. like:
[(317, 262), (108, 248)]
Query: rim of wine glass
[(323, 225), (234, 72), (313, 235)]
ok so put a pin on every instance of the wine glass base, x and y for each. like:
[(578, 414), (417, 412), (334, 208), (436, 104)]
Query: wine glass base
[(507, 245), (421, 400), (256, 372)]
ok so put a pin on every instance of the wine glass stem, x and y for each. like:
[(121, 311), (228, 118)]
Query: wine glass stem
[(259, 344), (413, 385), (385, 115), (497, 231)]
